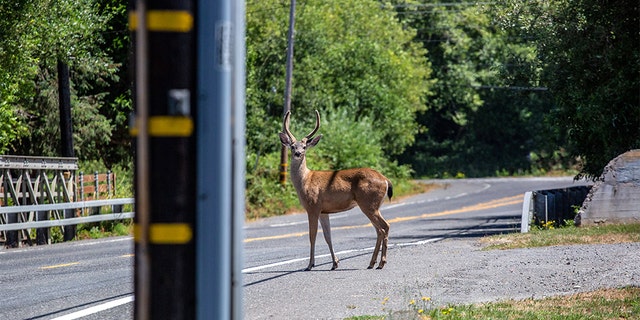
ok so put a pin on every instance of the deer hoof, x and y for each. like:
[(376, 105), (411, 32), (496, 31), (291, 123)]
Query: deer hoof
[(335, 266)]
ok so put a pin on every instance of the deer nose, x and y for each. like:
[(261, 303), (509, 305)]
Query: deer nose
[(297, 153)]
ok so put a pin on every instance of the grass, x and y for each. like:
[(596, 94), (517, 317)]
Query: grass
[(622, 303), (565, 236)]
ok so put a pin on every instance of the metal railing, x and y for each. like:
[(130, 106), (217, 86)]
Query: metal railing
[(551, 205), (32, 209)]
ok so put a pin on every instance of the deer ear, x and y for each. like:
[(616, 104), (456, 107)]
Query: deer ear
[(314, 141), (284, 139)]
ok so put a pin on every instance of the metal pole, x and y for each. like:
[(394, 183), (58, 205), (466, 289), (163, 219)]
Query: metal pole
[(287, 88), (238, 153), (220, 158)]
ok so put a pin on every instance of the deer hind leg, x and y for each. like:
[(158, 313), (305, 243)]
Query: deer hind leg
[(313, 231), (382, 231), (385, 240), (326, 231)]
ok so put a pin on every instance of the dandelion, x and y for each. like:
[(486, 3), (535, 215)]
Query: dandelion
[(421, 311), (425, 299), (384, 301), (446, 311), (412, 302)]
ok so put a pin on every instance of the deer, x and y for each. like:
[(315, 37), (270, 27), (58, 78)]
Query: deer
[(325, 192)]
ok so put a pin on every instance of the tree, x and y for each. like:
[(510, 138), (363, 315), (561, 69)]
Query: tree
[(349, 55), (591, 59), (37, 35), (485, 108)]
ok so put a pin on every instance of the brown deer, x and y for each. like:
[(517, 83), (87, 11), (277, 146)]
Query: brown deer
[(325, 192)]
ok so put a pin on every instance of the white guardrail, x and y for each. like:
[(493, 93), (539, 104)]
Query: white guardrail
[(63, 206)]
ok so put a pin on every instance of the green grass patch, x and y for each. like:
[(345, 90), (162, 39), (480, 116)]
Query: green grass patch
[(104, 229), (622, 303), (537, 237)]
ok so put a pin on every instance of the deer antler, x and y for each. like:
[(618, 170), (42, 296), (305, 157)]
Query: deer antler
[(310, 135), (285, 125)]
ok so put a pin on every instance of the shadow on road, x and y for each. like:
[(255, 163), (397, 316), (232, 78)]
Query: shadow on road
[(323, 267), (465, 228)]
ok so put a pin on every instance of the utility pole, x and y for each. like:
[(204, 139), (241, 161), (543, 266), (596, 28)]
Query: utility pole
[(66, 131), (165, 160), (189, 136), (287, 90)]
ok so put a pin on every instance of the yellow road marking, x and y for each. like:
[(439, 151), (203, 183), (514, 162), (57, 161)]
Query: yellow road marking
[(480, 206), (60, 265)]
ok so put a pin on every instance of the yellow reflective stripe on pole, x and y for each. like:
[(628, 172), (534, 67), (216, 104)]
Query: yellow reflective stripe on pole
[(164, 21), (166, 126), (170, 126), (166, 233)]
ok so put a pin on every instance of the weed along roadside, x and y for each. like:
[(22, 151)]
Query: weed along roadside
[(619, 303), (553, 273)]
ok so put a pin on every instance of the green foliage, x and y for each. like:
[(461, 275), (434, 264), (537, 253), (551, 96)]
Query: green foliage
[(591, 58), (485, 116), (104, 229), (349, 55), (35, 36)]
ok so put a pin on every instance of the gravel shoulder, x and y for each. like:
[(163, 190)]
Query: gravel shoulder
[(448, 271)]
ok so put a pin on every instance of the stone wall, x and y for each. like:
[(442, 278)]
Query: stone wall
[(615, 197)]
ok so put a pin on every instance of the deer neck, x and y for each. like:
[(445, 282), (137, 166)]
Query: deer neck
[(299, 172)]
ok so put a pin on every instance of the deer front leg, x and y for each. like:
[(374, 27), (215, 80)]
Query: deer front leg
[(326, 231), (313, 231)]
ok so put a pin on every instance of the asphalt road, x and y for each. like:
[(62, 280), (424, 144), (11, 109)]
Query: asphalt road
[(47, 282), (432, 252)]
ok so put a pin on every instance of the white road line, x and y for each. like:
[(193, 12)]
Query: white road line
[(96, 309), (276, 264)]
